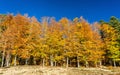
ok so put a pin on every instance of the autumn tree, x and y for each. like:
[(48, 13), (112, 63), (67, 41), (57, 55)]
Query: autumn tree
[(25, 40), (111, 44)]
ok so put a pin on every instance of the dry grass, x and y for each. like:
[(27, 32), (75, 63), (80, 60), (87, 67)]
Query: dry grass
[(38, 70)]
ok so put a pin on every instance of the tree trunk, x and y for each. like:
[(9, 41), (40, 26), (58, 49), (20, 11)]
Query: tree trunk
[(100, 63), (7, 59), (3, 57), (96, 64), (26, 61), (15, 59), (55, 63), (51, 60), (70, 63), (43, 62), (34, 61), (86, 63), (78, 63), (114, 63), (67, 62), (110, 61)]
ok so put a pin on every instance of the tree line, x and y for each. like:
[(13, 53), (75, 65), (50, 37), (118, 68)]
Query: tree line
[(70, 43)]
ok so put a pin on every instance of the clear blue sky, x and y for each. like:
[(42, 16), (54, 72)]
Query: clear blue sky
[(91, 10)]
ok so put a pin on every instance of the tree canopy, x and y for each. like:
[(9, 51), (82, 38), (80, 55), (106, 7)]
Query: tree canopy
[(26, 41)]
